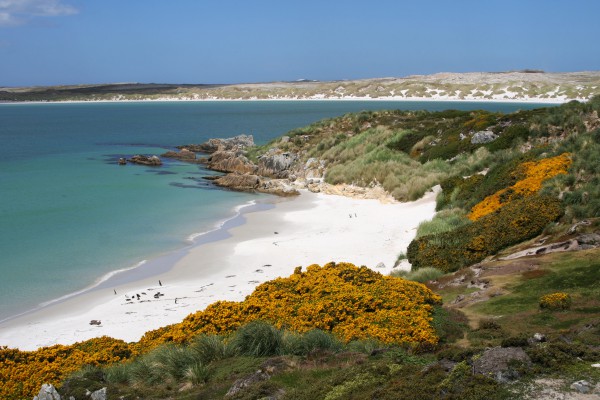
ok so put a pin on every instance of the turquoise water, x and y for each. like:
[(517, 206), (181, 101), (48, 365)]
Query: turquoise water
[(69, 214)]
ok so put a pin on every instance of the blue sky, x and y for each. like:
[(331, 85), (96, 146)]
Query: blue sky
[(51, 42)]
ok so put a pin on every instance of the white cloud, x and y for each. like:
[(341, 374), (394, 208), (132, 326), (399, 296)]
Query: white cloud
[(17, 12)]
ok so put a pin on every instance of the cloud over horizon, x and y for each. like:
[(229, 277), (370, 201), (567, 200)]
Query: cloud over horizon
[(19, 12)]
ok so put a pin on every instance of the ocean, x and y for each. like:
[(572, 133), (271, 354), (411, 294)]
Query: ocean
[(70, 216)]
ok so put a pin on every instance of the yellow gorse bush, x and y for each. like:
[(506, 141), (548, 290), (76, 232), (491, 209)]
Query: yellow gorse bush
[(555, 301), (535, 172), (352, 302)]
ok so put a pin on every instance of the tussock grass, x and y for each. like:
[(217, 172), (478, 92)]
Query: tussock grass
[(443, 221), (258, 339), (421, 275)]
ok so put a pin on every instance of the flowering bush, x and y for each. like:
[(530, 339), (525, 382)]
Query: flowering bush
[(519, 220), (534, 172), (555, 301), (352, 302)]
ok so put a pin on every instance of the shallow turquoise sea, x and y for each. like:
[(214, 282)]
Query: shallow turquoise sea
[(69, 215)]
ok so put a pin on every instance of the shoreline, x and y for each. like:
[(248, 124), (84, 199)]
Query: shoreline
[(259, 245), (399, 99)]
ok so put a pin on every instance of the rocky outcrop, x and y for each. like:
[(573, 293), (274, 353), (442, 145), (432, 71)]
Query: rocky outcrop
[(183, 155), (498, 363), (231, 161), (482, 137), (47, 392), (151, 161), (277, 164), (581, 242), (214, 145), (255, 183)]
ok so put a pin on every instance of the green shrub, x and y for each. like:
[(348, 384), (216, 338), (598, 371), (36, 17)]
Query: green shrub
[(517, 221)]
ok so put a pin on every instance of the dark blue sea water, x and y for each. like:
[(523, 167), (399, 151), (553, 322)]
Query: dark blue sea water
[(69, 215)]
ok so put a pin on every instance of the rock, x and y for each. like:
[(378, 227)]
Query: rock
[(95, 322), (276, 165), (285, 139), (582, 386), (576, 226), (243, 383), (458, 299), (183, 155), (145, 160), (380, 265), (596, 365), (482, 137), (99, 394), (244, 182), (214, 145), (47, 392), (231, 161), (495, 362), (539, 337)]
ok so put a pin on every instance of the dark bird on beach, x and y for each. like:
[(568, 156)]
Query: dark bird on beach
[(115, 290), (138, 296), (159, 282)]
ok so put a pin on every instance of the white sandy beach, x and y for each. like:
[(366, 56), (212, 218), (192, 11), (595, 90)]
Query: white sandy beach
[(313, 228)]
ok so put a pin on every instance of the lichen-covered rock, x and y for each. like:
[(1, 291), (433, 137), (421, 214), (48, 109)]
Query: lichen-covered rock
[(496, 363), (482, 137), (99, 394), (47, 392), (276, 165)]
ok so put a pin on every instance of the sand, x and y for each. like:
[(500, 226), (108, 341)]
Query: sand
[(310, 229)]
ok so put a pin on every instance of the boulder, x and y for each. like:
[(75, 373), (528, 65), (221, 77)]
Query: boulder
[(582, 386), (482, 137), (255, 183), (230, 161), (183, 155), (99, 394), (276, 164), (47, 392), (495, 362), (151, 161), (213, 145)]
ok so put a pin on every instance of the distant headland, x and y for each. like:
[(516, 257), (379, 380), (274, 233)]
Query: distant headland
[(514, 86)]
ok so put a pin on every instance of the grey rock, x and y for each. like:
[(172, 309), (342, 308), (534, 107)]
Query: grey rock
[(539, 337), (380, 265), (276, 165), (213, 145), (495, 362), (99, 394), (582, 386), (285, 139), (243, 383), (47, 392), (482, 137)]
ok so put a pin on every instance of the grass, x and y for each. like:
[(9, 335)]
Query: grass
[(443, 221), (421, 275), (577, 274)]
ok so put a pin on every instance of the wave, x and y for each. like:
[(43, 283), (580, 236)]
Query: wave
[(191, 239)]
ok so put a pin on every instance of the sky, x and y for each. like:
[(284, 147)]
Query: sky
[(57, 42)]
